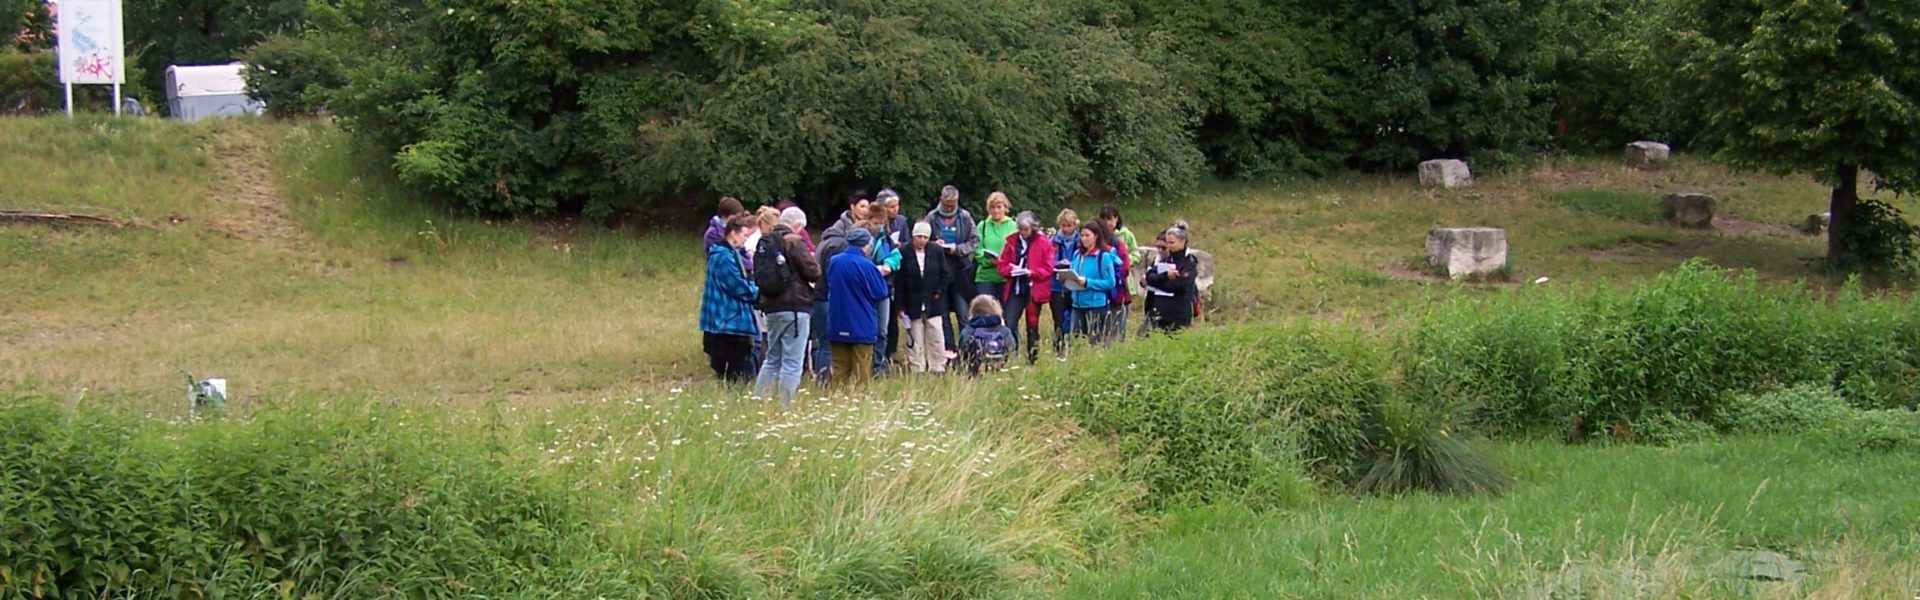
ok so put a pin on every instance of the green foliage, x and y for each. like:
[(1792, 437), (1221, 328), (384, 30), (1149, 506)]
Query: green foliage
[(1880, 241), (1612, 75), (1229, 414), (1611, 361), (1415, 443), (292, 74), (1452, 78), (25, 26), (360, 504), (30, 84), (1821, 413)]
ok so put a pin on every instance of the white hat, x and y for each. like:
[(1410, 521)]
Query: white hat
[(923, 229)]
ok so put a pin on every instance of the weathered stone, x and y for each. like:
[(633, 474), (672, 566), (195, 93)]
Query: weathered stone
[(1445, 173), (1692, 211), (1467, 251), (1817, 223), (1647, 154), (1764, 566)]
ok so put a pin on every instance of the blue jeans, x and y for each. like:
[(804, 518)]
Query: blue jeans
[(822, 354), (787, 333), (884, 309)]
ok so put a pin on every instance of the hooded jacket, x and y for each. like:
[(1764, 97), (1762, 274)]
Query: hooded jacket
[(806, 273), (1039, 263), (1102, 271), (726, 303), (853, 286), (1173, 296)]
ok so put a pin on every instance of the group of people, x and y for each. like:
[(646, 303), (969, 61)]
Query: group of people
[(877, 283)]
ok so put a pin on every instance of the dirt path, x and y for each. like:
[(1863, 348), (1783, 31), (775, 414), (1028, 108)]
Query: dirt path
[(248, 204)]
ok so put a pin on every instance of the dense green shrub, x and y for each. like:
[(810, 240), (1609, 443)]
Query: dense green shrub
[(1601, 363), (1821, 413), (1230, 413), (360, 504), (30, 84)]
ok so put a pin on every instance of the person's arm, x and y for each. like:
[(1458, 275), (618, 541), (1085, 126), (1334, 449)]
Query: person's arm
[(970, 240), (1040, 257), (1102, 278), (735, 284), (1158, 278), (892, 262), (1189, 274), (876, 285), (1005, 263), (804, 262)]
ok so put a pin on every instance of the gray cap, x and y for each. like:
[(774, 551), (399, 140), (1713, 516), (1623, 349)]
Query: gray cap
[(858, 237)]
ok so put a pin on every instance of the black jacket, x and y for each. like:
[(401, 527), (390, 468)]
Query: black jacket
[(922, 294), (1172, 297)]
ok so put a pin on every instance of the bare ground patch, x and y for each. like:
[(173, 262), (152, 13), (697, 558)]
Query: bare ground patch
[(248, 204)]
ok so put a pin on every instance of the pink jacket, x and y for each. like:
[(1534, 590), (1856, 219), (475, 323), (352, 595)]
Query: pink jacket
[(1039, 265)]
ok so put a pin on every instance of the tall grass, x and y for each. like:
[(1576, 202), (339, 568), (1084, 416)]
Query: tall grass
[(925, 491)]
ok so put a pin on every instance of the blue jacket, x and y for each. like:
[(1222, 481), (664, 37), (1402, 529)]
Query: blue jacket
[(726, 305), (1102, 271), (853, 286)]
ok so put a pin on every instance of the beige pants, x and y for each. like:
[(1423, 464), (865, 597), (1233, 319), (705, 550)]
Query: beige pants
[(926, 346)]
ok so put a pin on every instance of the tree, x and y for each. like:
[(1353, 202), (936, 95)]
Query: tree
[(1824, 87), (189, 32)]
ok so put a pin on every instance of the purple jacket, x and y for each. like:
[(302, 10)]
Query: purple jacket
[(716, 229)]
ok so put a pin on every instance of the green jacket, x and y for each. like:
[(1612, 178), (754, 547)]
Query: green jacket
[(993, 238)]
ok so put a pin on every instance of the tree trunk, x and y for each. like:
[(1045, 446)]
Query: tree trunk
[(1846, 194)]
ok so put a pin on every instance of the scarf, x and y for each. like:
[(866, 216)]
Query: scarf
[(947, 213)]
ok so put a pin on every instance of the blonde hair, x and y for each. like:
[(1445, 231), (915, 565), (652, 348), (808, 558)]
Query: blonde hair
[(1067, 214), (1001, 199), (984, 305), (767, 217)]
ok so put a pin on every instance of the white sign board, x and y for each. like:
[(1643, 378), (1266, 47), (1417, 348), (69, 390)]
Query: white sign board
[(91, 50)]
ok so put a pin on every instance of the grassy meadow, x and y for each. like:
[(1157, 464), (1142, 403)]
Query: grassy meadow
[(565, 357)]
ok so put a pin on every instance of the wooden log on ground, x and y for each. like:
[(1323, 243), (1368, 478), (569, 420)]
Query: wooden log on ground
[(56, 218)]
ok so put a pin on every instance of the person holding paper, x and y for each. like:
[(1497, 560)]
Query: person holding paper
[(1094, 273), (1170, 284), (1026, 261), (956, 235), (993, 235), (1065, 241)]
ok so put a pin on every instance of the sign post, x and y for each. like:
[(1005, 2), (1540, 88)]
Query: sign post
[(91, 48)]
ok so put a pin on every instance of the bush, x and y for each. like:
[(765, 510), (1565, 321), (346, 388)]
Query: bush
[(1418, 441), (1610, 361), (1822, 413), (333, 503)]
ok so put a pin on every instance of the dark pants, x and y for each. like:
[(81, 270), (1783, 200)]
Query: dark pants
[(998, 290), (1061, 306), (1020, 307), (893, 332), (822, 355), (731, 356), (1170, 314), (959, 295)]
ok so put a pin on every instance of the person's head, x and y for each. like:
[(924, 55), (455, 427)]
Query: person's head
[(949, 198), (998, 206), (858, 238), (877, 218), (1111, 214), (922, 234), (984, 305), (1068, 220), (858, 203), (738, 228), (729, 206), (1176, 239), (1094, 235), (1160, 241), (766, 218), (793, 218), (889, 200), (1028, 224)]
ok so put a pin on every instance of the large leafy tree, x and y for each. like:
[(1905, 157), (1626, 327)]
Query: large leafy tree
[(1824, 87)]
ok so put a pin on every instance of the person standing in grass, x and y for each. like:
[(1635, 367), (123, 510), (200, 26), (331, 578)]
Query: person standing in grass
[(854, 289), (786, 296), (765, 218), (1093, 272), (922, 282), (726, 304), (716, 227), (993, 235), (833, 241), (886, 256), (897, 235), (1170, 284), (1026, 261), (1124, 246), (1066, 243), (954, 234)]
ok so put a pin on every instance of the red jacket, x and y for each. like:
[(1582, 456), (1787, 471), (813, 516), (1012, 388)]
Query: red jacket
[(1039, 265)]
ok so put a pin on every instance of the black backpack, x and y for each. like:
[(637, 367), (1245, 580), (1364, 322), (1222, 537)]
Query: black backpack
[(770, 271)]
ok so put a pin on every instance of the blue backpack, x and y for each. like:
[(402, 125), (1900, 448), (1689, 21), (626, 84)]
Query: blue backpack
[(987, 348)]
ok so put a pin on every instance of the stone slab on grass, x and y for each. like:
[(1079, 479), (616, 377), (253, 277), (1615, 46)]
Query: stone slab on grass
[(1445, 173), (1691, 211), (1461, 252)]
